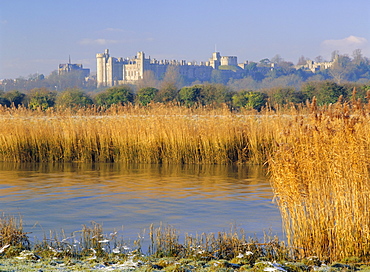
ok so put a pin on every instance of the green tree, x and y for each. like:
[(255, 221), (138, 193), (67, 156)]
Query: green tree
[(41, 98), (205, 94), (215, 94), (73, 98), (4, 101), (15, 97), (190, 95), (168, 92), (249, 100), (115, 95), (221, 76), (251, 66), (146, 95), (265, 62), (284, 95), (325, 91)]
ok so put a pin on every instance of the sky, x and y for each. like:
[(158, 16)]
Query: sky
[(37, 35)]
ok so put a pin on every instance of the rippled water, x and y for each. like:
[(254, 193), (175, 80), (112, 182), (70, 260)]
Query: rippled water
[(129, 198)]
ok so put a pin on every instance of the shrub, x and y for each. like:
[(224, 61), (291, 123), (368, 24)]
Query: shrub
[(115, 95), (73, 98)]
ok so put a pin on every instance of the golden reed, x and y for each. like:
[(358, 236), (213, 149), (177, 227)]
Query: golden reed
[(154, 134), (320, 176)]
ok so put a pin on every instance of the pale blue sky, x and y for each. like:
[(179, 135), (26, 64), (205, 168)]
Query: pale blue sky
[(37, 35)]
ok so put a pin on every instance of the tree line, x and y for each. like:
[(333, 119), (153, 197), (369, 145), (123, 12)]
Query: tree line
[(326, 92)]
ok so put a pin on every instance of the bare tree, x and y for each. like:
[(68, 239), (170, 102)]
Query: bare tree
[(148, 80), (173, 76), (340, 68), (277, 59), (319, 59), (302, 60), (357, 56)]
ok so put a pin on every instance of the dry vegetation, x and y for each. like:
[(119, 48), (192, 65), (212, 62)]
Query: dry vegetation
[(318, 157), (154, 134), (320, 176), (92, 246)]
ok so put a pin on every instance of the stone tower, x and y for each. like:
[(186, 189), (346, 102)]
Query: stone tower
[(215, 61), (102, 70), (109, 70)]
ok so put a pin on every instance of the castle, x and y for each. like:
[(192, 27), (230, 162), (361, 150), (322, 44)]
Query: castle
[(116, 71), (314, 66)]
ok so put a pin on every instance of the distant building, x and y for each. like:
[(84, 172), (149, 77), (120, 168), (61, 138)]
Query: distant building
[(69, 67), (115, 71), (314, 66)]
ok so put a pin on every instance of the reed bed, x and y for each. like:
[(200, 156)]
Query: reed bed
[(153, 134), (320, 176), (318, 157)]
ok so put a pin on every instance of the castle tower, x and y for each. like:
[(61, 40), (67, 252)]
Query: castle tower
[(215, 61), (229, 60), (102, 68), (140, 64)]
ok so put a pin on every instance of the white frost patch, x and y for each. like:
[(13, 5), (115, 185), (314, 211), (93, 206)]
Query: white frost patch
[(273, 267), (4, 247), (127, 265)]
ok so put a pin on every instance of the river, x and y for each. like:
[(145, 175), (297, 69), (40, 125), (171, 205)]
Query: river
[(129, 197)]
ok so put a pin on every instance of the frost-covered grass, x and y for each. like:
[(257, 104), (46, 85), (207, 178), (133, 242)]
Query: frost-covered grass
[(91, 248)]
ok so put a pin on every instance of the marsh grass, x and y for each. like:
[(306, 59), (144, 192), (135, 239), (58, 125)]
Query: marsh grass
[(320, 176), (13, 239), (224, 245), (153, 134)]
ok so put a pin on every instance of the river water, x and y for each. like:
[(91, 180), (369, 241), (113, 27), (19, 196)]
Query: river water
[(128, 198)]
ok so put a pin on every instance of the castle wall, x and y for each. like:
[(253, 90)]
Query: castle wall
[(229, 60)]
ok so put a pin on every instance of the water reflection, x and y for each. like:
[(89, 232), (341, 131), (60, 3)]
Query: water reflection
[(192, 198)]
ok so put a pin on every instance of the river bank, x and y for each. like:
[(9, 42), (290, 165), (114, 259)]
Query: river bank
[(29, 261)]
